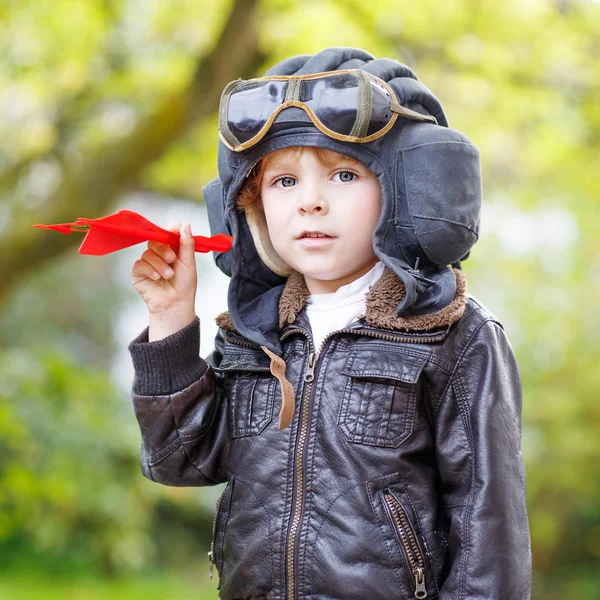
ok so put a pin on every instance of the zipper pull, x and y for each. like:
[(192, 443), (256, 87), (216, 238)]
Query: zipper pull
[(420, 590), (310, 369), (212, 561)]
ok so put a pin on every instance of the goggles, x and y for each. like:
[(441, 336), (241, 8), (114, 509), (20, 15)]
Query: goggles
[(351, 105)]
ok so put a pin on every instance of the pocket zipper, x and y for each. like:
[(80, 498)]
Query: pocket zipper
[(211, 553), (409, 542)]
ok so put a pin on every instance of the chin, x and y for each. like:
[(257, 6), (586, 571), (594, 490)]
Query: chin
[(322, 274)]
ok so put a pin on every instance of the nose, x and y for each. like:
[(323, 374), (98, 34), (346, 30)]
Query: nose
[(312, 198)]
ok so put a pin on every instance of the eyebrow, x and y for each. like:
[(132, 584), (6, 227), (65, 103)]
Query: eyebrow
[(285, 163)]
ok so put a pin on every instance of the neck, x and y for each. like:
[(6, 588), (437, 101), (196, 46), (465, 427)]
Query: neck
[(324, 286)]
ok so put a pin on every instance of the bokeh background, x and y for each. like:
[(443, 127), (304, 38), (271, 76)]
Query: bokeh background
[(109, 104)]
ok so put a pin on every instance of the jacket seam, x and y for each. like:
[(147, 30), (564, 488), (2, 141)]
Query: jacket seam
[(316, 392), (150, 471), (167, 450), (430, 356), (429, 392), (466, 537), (459, 361), (455, 382), (183, 443), (238, 481), (312, 572), (422, 535), (387, 549)]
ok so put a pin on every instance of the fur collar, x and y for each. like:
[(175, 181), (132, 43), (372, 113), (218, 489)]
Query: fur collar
[(381, 301)]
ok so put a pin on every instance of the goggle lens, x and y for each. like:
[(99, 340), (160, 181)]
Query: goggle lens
[(251, 105), (349, 105)]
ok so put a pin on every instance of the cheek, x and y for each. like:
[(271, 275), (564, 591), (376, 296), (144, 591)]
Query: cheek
[(272, 210), (362, 217), (276, 217)]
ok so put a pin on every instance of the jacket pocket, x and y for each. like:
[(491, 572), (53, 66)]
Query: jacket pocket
[(250, 388), (251, 403), (408, 542), (378, 404), (219, 527)]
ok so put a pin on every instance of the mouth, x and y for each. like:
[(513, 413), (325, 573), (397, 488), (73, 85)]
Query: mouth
[(314, 235)]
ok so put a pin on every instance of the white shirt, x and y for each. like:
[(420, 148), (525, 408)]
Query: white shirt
[(330, 312)]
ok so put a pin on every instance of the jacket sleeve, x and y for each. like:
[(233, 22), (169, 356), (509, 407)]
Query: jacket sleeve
[(180, 409), (482, 475)]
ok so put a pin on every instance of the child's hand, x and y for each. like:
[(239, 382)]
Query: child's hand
[(174, 287)]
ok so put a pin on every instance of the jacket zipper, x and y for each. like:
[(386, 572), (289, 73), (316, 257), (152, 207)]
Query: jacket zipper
[(211, 553), (422, 338), (409, 541), (309, 376), (242, 342)]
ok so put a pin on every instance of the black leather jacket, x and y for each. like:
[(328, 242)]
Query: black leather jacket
[(399, 477)]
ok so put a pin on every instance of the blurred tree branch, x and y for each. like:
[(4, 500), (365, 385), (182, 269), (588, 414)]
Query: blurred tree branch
[(93, 185)]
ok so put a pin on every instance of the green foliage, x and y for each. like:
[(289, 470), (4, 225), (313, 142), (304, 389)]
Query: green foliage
[(67, 462), (29, 586)]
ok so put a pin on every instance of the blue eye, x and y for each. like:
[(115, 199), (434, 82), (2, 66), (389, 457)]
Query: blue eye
[(346, 176), (286, 181)]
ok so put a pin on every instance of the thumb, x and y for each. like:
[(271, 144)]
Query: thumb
[(187, 250)]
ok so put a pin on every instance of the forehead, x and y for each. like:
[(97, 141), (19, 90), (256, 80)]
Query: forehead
[(292, 155)]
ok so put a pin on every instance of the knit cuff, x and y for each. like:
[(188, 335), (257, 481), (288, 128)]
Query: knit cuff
[(168, 365)]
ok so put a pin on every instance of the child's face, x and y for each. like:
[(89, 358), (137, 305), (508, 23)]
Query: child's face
[(299, 193)]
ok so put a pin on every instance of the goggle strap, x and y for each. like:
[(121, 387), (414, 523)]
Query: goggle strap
[(363, 110), (293, 90), (223, 108), (411, 114)]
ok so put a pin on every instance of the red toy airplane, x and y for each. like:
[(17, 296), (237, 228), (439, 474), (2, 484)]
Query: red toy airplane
[(127, 228)]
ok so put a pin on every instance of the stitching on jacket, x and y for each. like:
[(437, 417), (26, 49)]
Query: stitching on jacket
[(149, 467), (466, 526), (422, 536), (261, 505), (323, 523), (383, 540), (455, 382), (313, 418), (289, 487), (462, 391), (183, 445), (461, 356), (462, 399), (465, 411), (166, 450), (378, 345), (429, 405)]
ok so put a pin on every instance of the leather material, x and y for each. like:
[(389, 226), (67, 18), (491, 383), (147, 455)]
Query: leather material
[(404, 451)]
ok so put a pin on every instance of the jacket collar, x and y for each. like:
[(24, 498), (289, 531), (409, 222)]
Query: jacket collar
[(380, 302)]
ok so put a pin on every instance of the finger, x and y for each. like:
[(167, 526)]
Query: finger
[(187, 252), (157, 263), (165, 251), (143, 270)]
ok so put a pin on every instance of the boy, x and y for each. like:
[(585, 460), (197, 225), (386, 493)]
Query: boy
[(394, 469)]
